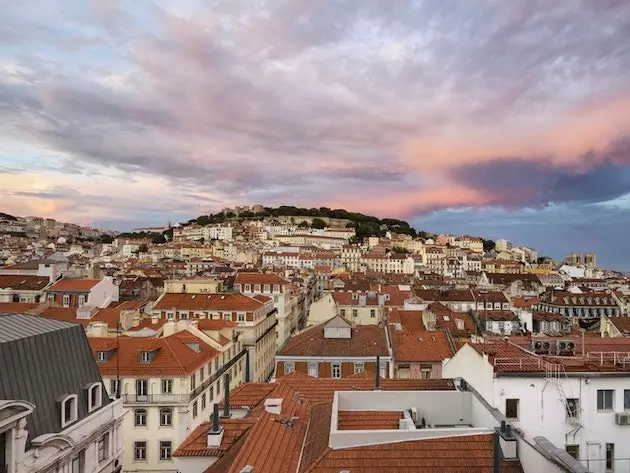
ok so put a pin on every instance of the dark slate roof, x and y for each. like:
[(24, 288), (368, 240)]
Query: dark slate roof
[(42, 360)]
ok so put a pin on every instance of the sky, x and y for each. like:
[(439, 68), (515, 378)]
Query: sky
[(501, 119)]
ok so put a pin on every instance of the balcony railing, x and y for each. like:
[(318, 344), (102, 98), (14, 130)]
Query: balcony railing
[(156, 398)]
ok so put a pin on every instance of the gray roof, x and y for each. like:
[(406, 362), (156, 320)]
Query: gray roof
[(42, 360)]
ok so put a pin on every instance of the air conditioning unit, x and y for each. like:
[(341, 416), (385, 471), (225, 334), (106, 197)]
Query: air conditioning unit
[(622, 418), (541, 347), (565, 347)]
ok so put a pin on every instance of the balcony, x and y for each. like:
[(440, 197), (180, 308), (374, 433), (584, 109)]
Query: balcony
[(164, 399)]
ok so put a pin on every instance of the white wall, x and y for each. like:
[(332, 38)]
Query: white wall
[(104, 293), (467, 363)]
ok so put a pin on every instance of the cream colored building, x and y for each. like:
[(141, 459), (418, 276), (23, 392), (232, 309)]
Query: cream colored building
[(193, 284), (168, 385)]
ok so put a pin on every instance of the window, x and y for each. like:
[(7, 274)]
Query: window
[(195, 410), (95, 397), (69, 410), (359, 367), (605, 399), (203, 401), (511, 408), (167, 386), (140, 418), (170, 315), (248, 288), (114, 385), (66, 300), (610, 456), (81, 300), (202, 373), (145, 357), (101, 356), (266, 287), (342, 312), (103, 448), (313, 369), (626, 399), (183, 315), (142, 388), (218, 386), (166, 417), (193, 383), (355, 313), (166, 446), (140, 451), (276, 288), (241, 317), (372, 313), (425, 373), (211, 393), (573, 408), (227, 316), (336, 370), (78, 463), (573, 450), (289, 367)]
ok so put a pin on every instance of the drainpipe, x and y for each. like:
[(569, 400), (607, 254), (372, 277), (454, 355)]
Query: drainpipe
[(377, 376)]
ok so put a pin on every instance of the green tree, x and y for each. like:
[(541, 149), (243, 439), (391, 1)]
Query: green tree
[(303, 224), (107, 239), (143, 248), (488, 245), (318, 223), (400, 249)]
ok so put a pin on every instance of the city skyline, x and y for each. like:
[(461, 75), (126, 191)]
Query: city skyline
[(502, 120)]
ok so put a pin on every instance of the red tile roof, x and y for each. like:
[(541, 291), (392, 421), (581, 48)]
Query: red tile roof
[(74, 285), (234, 301), (366, 340), (420, 346), (19, 307), (260, 278), (368, 420), (173, 357), (23, 283), (196, 444), (622, 324), (460, 454), (250, 394)]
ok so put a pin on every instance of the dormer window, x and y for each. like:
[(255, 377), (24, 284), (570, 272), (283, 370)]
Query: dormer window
[(145, 357), (95, 396), (66, 300), (248, 288), (101, 356), (69, 410)]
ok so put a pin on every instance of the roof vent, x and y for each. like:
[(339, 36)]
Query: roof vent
[(194, 346), (273, 406), (249, 469)]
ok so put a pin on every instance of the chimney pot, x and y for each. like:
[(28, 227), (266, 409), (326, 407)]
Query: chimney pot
[(508, 430), (502, 426), (226, 399)]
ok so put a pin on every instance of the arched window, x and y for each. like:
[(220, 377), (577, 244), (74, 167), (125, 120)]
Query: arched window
[(69, 410)]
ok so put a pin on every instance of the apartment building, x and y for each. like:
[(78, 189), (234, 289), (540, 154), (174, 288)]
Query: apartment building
[(193, 284), (336, 349), (168, 384), (80, 292), (255, 318), (572, 304), (55, 415), (279, 290), (579, 403)]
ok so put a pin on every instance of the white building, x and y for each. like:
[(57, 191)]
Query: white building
[(579, 404), (218, 232), (55, 415)]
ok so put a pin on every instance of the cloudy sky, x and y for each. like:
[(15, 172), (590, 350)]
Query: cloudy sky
[(500, 118)]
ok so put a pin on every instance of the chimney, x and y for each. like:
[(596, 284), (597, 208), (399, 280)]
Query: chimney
[(226, 399), (215, 434), (169, 328), (155, 319), (377, 376), (273, 406), (135, 322)]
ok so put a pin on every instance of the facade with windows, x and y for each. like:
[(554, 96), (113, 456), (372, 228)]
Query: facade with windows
[(576, 403), (168, 386), (336, 349), (55, 415), (284, 299), (80, 292)]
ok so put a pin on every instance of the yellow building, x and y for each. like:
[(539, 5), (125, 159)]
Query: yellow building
[(193, 285)]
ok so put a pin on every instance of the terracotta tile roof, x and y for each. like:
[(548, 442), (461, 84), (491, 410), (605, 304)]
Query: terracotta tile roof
[(420, 346), (547, 316), (67, 314), (74, 285), (368, 420), (196, 444), (525, 302), (214, 324), (260, 278), (23, 283), (622, 324), (173, 357), (316, 441), (225, 461), (250, 395), (460, 454), (234, 301), (18, 307), (504, 315), (569, 299), (489, 296), (366, 340), (410, 320)]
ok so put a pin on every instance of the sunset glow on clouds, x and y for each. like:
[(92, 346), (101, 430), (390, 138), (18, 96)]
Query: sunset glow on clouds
[(507, 119)]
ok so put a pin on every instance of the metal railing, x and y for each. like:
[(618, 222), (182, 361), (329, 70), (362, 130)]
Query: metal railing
[(529, 364), (156, 398), (612, 357)]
